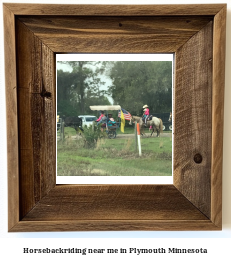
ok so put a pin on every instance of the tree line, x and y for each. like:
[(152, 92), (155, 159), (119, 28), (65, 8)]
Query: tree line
[(132, 85)]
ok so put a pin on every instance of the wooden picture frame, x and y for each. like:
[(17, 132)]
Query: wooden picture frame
[(34, 33)]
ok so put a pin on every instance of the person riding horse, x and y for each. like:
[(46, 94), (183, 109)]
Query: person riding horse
[(156, 123), (145, 114)]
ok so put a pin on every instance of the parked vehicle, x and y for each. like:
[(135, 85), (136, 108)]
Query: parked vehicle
[(87, 119)]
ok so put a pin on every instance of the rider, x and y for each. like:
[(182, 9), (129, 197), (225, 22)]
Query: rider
[(103, 121), (145, 114), (101, 115), (111, 120)]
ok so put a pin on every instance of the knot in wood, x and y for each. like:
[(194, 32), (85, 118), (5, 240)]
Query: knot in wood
[(198, 158), (45, 94)]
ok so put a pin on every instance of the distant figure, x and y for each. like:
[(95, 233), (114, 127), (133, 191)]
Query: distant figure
[(145, 114), (111, 121), (102, 121), (170, 117), (110, 117), (101, 115)]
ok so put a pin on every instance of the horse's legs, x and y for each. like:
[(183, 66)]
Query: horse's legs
[(158, 132), (142, 130), (152, 130)]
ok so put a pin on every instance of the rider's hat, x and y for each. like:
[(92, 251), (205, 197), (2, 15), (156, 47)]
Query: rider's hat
[(145, 106)]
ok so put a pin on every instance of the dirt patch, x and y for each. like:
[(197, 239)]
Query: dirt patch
[(126, 136), (98, 171)]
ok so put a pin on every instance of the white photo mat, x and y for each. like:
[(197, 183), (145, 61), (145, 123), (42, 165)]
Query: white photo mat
[(117, 179)]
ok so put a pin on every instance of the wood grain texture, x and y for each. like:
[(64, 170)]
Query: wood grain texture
[(115, 10), (193, 131), (114, 202), (36, 106), (114, 225), (194, 201), (218, 114), (11, 115), (115, 34), (114, 207)]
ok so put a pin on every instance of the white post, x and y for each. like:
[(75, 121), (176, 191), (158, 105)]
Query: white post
[(138, 136), (135, 136)]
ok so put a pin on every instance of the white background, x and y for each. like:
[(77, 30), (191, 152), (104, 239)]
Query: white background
[(217, 243)]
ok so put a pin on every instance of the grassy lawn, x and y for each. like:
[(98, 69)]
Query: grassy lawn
[(114, 157), (127, 130)]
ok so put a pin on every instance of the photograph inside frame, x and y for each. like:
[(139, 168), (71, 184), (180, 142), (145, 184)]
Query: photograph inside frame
[(114, 118)]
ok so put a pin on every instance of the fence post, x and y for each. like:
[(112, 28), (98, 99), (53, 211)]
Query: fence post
[(135, 136), (138, 136), (62, 130)]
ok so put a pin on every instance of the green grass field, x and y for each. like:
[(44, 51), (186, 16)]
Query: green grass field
[(114, 157), (128, 130)]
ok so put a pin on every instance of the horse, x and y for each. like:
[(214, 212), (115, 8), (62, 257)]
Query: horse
[(137, 119), (74, 122), (155, 122)]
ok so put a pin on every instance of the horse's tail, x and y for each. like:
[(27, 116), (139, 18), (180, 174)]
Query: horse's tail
[(161, 125)]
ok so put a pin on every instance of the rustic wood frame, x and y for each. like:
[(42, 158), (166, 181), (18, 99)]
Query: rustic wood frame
[(33, 34)]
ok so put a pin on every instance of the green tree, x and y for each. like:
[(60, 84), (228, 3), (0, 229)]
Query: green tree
[(80, 88), (139, 83), (64, 96)]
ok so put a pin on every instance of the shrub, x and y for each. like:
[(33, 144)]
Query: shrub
[(91, 135)]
